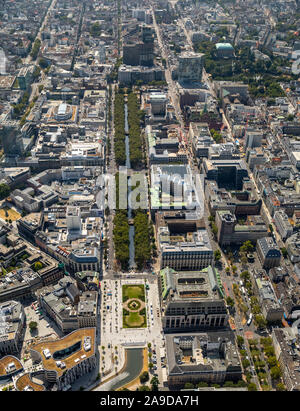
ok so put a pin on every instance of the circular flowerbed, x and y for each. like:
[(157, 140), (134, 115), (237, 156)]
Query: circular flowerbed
[(134, 305)]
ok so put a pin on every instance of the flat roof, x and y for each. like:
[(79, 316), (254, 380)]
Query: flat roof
[(296, 155), (26, 381), (7, 360), (61, 344)]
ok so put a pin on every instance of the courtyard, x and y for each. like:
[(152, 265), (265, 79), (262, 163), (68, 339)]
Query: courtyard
[(7, 213)]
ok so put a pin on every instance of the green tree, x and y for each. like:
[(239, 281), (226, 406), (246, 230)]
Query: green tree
[(247, 246), (252, 387), (189, 386), (245, 276), (144, 388), (217, 255), (260, 321), (154, 384), (269, 351), (35, 49), (244, 260), (95, 29), (272, 361), (202, 384), (280, 387), (246, 363), (4, 191), (230, 301), (244, 308), (214, 229), (32, 325), (43, 63), (229, 384), (240, 340), (144, 377), (275, 373), (38, 266)]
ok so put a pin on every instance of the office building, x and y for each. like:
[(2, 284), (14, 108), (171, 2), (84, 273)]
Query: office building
[(201, 139), (268, 252), (139, 49), (230, 232), (227, 173), (190, 67), (68, 307), (192, 300), (12, 318), (183, 241), (283, 224), (158, 102), (64, 360), (271, 308), (11, 139), (286, 345), (253, 138), (210, 357)]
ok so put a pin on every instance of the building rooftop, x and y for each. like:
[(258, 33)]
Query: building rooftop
[(9, 364), (200, 353), (65, 353), (25, 383), (267, 244), (191, 285), (221, 46)]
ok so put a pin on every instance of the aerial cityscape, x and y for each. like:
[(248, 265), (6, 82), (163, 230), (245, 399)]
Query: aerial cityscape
[(150, 195)]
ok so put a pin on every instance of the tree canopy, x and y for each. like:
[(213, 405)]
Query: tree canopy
[(4, 191)]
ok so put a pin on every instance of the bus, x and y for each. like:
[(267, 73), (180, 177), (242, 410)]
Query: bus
[(250, 319)]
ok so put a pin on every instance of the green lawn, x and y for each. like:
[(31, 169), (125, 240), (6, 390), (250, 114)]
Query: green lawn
[(136, 319), (133, 291)]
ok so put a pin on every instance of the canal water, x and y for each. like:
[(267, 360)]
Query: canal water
[(129, 214), (133, 368)]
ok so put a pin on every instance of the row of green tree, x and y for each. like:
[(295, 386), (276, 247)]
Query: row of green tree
[(35, 49), (142, 237), (135, 138), (121, 238), (20, 107), (119, 126)]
